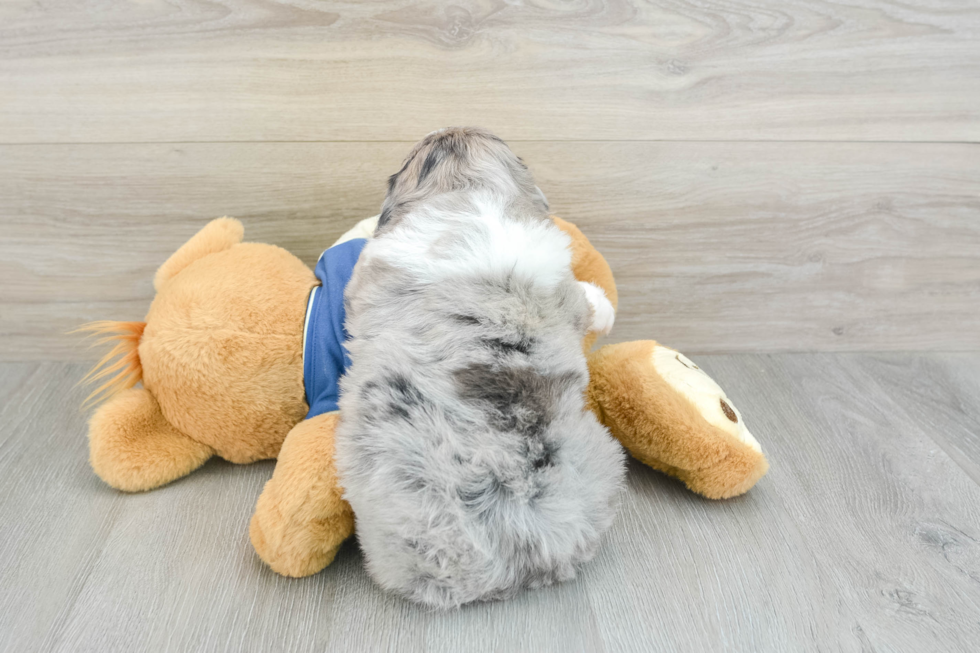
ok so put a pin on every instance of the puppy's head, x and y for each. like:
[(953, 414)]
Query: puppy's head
[(460, 159)]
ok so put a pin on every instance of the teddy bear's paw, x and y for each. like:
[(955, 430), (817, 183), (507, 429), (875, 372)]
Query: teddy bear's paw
[(296, 547), (603, 313)]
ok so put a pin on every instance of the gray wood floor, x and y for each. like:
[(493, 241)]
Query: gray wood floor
[(865, 536)]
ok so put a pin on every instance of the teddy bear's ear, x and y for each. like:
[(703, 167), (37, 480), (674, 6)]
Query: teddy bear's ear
[(216, 236), (672, 416)]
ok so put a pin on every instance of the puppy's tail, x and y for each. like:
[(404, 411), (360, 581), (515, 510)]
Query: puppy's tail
[(124, 372)]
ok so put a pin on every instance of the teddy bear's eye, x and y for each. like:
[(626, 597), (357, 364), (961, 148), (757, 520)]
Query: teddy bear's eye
[(728, 410)]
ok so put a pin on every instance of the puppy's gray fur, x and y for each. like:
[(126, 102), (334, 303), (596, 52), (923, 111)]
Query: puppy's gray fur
[(465, 448)]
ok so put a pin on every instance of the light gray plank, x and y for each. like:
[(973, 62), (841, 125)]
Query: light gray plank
[(54, 515), (83, 567), (716, 246), (862, 536), (923, 386), (238, 70), (839, 547)]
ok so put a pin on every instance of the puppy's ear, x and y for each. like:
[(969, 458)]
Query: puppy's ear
[(384, 217), (386, 206), (432, 159)]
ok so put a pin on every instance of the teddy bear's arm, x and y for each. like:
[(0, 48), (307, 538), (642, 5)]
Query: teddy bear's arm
[(301, 518)]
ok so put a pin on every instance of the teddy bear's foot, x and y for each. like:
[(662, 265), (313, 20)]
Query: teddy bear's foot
[(301, 519), (132, 446), (672, 416)]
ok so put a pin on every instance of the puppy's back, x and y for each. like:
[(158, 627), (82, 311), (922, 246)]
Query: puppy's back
[(465, 447)]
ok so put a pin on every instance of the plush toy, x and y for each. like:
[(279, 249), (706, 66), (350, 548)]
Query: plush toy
[(221, 360)]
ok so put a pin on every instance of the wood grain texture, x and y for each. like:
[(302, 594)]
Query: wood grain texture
[(944, 383), (716, 246), (863, 536), (248, 70)]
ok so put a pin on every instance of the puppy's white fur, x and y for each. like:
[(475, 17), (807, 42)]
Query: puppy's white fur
[(603, 313), (465, 448), (440, 245)]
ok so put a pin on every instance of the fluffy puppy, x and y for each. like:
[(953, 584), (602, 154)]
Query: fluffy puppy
[(465, 448)]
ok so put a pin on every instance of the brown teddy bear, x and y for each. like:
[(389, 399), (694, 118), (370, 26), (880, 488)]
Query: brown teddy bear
[(220, 357)]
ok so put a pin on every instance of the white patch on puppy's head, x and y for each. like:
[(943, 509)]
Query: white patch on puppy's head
[(471, 235)]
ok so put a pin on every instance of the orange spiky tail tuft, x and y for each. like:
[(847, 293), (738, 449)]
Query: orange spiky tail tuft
[(126, 371)]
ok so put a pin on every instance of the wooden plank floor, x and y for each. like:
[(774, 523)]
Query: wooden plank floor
[(864, 536)]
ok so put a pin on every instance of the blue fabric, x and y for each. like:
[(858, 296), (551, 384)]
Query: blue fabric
[(325, 358)]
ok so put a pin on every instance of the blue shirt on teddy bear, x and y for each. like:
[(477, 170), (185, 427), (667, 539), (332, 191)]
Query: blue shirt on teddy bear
[(325, 359)]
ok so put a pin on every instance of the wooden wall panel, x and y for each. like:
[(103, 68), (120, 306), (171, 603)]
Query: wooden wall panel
[(254, 70), (718, 247)]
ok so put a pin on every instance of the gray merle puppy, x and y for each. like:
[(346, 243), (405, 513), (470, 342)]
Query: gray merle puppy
[(465, 448)]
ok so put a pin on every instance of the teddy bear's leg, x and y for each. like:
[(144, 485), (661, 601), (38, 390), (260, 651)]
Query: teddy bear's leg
[(301, 519), (133, 448), (672, 416)]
